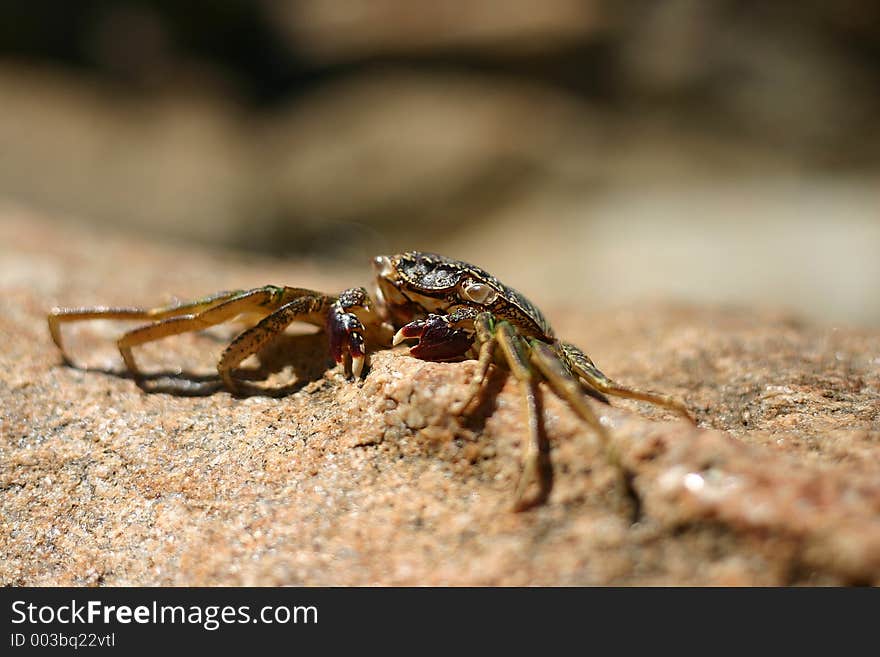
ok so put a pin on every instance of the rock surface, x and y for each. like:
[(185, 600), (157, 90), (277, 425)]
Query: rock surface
[(312, 480)]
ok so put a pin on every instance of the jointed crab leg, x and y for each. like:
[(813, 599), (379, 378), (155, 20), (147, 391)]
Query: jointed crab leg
[(563, 367), (308, 308), (548, 362), (513, 348), (483, 327), (347, 332), (345, 329), (565, 385), (260, 299), (58, 316), (591, 376), (527, 360), (276, 306)]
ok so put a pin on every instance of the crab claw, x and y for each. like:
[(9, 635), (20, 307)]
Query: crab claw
[(411, 330), (357, 366), (346, 333), (438, 339)]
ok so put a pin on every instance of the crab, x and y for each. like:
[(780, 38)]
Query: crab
[(454, 311)]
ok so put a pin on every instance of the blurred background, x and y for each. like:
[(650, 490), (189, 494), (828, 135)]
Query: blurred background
[(591, 153)]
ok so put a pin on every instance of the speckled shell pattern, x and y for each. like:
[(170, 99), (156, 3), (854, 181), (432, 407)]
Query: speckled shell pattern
[(434, 275)]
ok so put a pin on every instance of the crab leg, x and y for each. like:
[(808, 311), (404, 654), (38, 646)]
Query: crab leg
[(548, 362), (58, 316), (594, 378), (565, 385), (275, 308), (346, 331), (535, 453), (310, 308), (258, 300), (483, 327)]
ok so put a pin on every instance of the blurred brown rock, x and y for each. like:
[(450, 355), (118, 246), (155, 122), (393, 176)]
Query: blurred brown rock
[(416, 156), (352, 163), (355, 29), (375, 483)]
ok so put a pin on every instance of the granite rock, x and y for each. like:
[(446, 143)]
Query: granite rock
[(309, 479)]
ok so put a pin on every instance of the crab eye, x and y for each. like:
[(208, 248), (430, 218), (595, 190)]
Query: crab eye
[(383, 266), (479, 293)]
